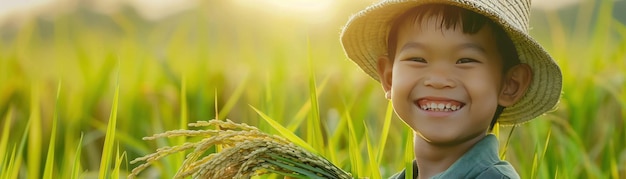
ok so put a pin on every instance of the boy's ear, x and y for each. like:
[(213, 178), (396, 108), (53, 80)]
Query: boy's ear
[(384, 69), (515, 84)]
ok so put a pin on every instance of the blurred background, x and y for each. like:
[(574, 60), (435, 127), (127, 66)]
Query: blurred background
[(174, 62)]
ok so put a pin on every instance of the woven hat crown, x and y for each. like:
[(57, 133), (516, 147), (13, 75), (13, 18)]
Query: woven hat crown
[(364, 39)]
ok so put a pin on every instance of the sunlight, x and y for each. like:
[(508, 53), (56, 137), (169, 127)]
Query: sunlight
[(553, 4), (310, 6), (158, 9), (309, 9), (13, 10)]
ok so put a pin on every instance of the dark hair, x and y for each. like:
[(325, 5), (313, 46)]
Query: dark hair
[(470, 21)]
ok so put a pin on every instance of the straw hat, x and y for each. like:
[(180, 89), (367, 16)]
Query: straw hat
[(364, 39)]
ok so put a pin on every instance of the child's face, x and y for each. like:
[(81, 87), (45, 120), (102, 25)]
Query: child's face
[(443, 83)]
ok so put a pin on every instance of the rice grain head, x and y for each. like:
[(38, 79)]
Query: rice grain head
[(246, 152)]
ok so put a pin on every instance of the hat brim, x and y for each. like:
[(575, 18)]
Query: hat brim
[(364, 39)]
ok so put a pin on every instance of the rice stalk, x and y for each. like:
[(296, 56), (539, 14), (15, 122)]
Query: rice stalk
[(408, 155), (49, 166), (109, 138), (246, 152), (4, 140), (354, 149), (385, 132), (76, 166), (373, 161), (35, 134)]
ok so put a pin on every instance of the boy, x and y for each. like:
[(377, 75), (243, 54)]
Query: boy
[(452, 69)]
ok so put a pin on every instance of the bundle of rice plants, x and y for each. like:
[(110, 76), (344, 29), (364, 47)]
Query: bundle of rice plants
[(246, 152)]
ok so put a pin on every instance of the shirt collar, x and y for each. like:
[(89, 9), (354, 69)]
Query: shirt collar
[(480, 157)]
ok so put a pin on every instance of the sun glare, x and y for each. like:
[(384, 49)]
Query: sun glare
[(311, 6), (12, 9), (312, 9)]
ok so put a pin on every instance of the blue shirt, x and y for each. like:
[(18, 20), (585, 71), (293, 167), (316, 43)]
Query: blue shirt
[(481, 161)]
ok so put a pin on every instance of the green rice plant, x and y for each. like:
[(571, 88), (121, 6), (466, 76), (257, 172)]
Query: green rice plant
[(4, 140), (590, 114), (246, 152), (49, 167), (109, 139), (385, 133), (356, 161), (285, 132), (408, 155), (75, 172), (5, 157), (536, 165), (7, 168), (115, 173), (222, 57), (12, 168), (35, 134), (373, 162), (314, 129)]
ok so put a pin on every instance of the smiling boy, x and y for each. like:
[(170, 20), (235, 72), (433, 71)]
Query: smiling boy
[(453, 69)]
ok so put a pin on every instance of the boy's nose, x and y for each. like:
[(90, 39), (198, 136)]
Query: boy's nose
[(439, 79)]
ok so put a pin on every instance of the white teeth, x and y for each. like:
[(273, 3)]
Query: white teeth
[(440, 107)]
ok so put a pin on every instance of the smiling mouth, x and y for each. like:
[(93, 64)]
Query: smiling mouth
[(439, 105)]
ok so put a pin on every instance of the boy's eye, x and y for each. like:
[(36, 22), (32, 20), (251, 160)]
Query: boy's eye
[(466, 60), (417, 59)]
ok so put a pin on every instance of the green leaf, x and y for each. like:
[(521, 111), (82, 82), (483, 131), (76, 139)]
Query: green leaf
[(353, 147), (613, 163), (306, 107), (178, 158), (408, 155), (4, 139), (16, 160), (285, 132), (109, 137), (49, 168), (373, 161), (535, 166), (118, 163), (545, 147), (10, 171), (76, 167), (385, 133), (295, 169), (301, 165), (506, 145), (314, 124), (34, 140)]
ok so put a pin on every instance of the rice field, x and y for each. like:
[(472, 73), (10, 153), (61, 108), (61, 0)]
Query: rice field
[(80, 90)]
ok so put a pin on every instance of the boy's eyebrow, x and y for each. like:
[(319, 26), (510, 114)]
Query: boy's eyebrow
[(469, 45), (472, 46), (410, 45)]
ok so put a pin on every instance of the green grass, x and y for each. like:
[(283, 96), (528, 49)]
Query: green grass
[(109, 140), (124, 78), (49, 167)]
